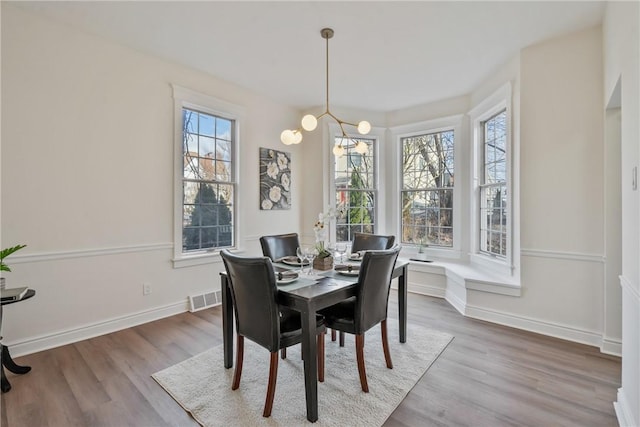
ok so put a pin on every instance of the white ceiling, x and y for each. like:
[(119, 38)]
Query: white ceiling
[(384, 55)]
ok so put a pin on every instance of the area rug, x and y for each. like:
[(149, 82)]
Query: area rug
[(202, 386)]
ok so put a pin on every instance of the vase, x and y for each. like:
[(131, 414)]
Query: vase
[(325, 263)]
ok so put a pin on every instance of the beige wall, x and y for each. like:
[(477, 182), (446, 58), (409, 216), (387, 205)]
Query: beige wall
[(87, 179)]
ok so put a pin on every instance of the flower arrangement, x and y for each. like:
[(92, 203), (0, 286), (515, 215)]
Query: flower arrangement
[(321, 226)]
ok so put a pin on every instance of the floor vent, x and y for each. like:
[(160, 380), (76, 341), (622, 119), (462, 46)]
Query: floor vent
[(206, 300)]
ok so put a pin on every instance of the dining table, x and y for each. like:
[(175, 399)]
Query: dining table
[(308, 295)]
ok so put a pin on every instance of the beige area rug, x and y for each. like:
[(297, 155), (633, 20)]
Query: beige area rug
[(202, 386)]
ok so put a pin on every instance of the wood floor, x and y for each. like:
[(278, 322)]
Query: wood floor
[(489, 375)]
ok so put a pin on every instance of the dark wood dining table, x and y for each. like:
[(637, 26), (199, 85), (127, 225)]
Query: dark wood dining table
[(328, 290)]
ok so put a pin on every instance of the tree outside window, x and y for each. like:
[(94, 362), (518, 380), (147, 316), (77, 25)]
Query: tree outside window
[(355, 190), (207, 182), (427, 189)]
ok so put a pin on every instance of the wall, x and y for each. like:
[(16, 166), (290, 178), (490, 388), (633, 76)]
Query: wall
[(561, 193), (87, 180), (621, 42)]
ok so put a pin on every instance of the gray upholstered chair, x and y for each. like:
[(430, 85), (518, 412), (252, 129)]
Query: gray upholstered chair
[(368, 307), (366, 242), (279, 246), (259, 318)]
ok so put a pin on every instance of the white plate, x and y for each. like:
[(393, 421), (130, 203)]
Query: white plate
[(349, 273), (355, 257), (355, 270), (294, 261), (287, 280)]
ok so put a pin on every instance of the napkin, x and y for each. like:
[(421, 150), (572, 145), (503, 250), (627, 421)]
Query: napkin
[(286, 275), (347, 267)]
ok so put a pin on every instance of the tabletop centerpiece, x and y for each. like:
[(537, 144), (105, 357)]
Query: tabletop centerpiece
[(324, 259)]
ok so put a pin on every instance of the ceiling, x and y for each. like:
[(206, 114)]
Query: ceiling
[(384, 56)]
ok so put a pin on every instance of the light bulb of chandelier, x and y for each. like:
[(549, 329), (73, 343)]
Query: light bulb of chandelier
[(287, 137), (309, 122), (338, 150), (298, 137), (361, 148), (364, 127)]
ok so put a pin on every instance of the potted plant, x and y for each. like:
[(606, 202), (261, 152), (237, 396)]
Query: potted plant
[(324, 259), (5, 253)]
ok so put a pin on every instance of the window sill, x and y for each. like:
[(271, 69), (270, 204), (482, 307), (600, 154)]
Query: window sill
[(197, 259)]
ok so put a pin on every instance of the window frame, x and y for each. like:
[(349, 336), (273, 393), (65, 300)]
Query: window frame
[(455, 123), (500, 100), (186, 98), (427, 189), (375, 135)]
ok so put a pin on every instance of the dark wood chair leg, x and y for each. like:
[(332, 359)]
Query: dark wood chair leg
[(333, 335), (283, 353), (385, 344), (321, 357), (271, 389), (341, 339), (360, 357), (239, 357)]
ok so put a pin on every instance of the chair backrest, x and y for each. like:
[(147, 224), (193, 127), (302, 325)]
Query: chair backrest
[(373, 291), (254, 292), (280, 245), (371, 242)]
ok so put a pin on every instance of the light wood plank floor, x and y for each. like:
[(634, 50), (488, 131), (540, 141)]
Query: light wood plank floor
[(489, 375)]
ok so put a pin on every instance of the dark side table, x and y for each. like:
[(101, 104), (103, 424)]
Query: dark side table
[(7, 361)]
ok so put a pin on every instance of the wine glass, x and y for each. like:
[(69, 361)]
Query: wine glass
[(302, 255), (341, 249), (312, 252)]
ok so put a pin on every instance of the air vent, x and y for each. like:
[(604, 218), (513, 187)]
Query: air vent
[(206, 300)]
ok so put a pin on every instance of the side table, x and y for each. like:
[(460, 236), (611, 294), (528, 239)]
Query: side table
[(7, 361)]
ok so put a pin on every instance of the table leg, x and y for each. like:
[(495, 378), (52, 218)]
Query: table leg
[(402, 303), (309, 352), (6, 386), (227, 322), (7, 361)]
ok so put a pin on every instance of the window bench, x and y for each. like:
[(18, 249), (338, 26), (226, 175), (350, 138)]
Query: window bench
[(453, 280)]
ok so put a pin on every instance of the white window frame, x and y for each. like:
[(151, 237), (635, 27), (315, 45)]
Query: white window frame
[(376, 134), (427, 127), (495, 103), (187, 98)]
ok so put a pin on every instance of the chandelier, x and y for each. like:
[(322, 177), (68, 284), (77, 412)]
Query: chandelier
[(310, 122)]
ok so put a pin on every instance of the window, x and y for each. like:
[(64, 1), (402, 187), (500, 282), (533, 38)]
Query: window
[(493, 186), (355, 189), (427, 188), (207, 181), (205, 177)]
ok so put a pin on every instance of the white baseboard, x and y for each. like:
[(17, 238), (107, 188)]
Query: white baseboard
[(534, 325), (612, 347), (623, 411), (46, 342)]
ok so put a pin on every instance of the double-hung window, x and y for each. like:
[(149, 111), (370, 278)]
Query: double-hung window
[(427, 188), (206, 170), (355, 188), (207, 183), (494, 226), (493, 186)]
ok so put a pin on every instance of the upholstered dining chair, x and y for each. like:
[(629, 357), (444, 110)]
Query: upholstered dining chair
[(259, 318), (276, 247), (368, 242), (368, 307), (279, 245)]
